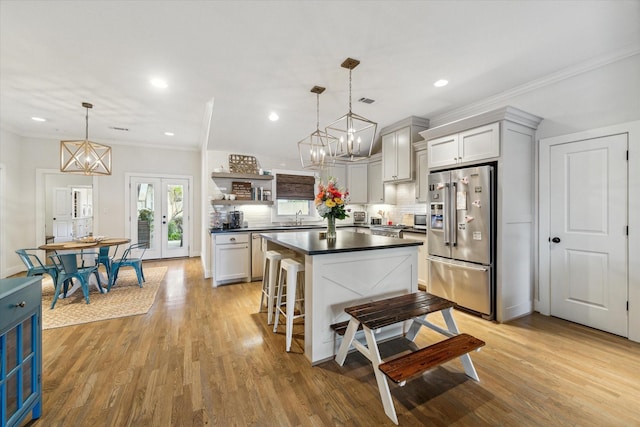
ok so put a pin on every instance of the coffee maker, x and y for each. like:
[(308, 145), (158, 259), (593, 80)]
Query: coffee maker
[(235, 219)]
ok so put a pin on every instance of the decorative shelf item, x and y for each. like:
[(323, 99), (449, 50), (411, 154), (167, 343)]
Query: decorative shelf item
[(243, 164)]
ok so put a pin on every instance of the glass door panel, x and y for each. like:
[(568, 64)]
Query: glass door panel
[(159, 216)]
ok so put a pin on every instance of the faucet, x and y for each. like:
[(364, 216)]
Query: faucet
[(299, 221)]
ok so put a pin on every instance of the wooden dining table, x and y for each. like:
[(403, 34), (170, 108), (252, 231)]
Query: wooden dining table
[(81, 245)]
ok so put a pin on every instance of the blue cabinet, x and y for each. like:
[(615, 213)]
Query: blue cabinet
[(20, 349)]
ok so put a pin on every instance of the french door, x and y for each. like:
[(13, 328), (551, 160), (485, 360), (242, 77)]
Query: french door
[(160, 215)]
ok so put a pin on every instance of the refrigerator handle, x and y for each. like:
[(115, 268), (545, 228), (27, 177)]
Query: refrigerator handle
[(454, 215), (445, 216)]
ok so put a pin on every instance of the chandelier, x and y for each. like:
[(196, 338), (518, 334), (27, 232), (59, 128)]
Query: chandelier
[(354, 134), (85, 157), (314, 149)]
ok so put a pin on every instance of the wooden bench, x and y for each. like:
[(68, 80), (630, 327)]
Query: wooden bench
[(372, 316)]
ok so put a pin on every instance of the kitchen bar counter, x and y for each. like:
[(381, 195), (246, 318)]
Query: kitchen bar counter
[(312, 242), (354, 269)]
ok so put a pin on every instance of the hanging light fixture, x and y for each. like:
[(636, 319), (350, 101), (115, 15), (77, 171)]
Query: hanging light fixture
[(85, 157), (314, 149), (354, 134)]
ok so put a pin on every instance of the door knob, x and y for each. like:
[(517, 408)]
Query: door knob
[(556, 240)]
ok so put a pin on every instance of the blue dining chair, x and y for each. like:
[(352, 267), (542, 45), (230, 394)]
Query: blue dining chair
[(68, 264), (35, 267), (129, 260), (105, 259)]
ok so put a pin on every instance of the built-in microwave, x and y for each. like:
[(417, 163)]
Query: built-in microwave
[(420, 221)]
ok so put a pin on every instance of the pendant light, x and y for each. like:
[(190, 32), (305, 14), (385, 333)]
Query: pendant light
[(354, 134), (314, 149), (85, 157)]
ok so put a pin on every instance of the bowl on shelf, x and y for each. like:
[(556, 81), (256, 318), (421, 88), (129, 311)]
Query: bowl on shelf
[(232, 196)]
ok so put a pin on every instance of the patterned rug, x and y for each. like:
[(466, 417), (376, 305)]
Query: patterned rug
[(125, 299)]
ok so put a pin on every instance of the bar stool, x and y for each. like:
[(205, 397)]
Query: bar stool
[(294, 294), (270, 280)]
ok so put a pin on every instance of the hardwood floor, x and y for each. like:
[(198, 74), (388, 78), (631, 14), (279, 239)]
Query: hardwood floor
[(204, 356)]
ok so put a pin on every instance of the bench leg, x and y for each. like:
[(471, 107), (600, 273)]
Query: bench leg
[(469, 369), (347, 339), (381, 378)]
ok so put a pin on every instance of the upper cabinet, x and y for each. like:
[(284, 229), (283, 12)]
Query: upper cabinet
[(397, 152), (396, 156), (357, 183), (422, 170), (379, 192), (473, 145)]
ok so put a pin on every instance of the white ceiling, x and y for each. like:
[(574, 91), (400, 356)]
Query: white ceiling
[(254, 57)]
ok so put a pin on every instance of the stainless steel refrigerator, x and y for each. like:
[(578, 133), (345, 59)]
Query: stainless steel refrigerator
[(461, 237)]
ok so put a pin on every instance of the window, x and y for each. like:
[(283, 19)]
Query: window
[(291, 207)]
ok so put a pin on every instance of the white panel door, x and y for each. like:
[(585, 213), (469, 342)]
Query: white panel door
[(588, 241), (62, 220)]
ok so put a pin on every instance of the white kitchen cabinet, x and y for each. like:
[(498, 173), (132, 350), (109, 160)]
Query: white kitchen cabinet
[(423, 253), (257, 257), (422, 171), (357, 183), (397, 151), (396, 156), (481, 143), (505, 136), (231, 258), (379, 192), (337, 171)]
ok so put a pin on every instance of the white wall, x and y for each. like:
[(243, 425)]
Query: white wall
[(25, 155), (590, 99), (15, 215)]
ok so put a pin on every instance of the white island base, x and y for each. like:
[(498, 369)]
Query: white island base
[(336, 280)]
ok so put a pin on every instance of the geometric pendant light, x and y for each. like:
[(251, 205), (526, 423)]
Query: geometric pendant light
[(85, 157), (354, 134), (314, 149)]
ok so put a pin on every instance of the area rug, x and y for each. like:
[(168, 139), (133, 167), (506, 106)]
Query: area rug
[(126, 298)]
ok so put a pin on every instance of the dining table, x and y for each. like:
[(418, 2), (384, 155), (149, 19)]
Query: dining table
[(82, 244)]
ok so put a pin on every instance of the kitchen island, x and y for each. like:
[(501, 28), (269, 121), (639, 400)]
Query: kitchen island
[(352, 269)]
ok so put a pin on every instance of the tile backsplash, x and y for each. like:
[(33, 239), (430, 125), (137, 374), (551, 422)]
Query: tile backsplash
[(405, 204)]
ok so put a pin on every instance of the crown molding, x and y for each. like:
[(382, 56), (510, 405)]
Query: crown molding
[(504, 97)]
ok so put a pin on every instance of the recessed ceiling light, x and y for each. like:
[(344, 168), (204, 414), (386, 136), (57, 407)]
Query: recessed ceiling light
[(159, 83), (441, 83), (38, 119), (273, 117), (169, 133)]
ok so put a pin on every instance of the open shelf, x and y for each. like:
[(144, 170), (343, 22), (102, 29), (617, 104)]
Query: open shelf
[(241, 202), (222, 175)]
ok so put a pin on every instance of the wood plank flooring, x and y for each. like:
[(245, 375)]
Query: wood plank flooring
[(205, 356)]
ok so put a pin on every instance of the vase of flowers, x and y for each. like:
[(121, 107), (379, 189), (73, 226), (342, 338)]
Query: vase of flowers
[(330, 202)]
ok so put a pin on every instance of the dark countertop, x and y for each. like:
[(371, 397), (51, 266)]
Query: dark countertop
[(312, 243), (268, 228)]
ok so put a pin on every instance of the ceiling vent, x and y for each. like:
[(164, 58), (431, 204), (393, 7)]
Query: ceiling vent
[(367, 100), (118, 128)]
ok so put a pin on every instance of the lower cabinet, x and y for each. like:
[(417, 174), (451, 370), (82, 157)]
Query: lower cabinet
[(257, 257), (231, 258), (20, 349), (423, 271)]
